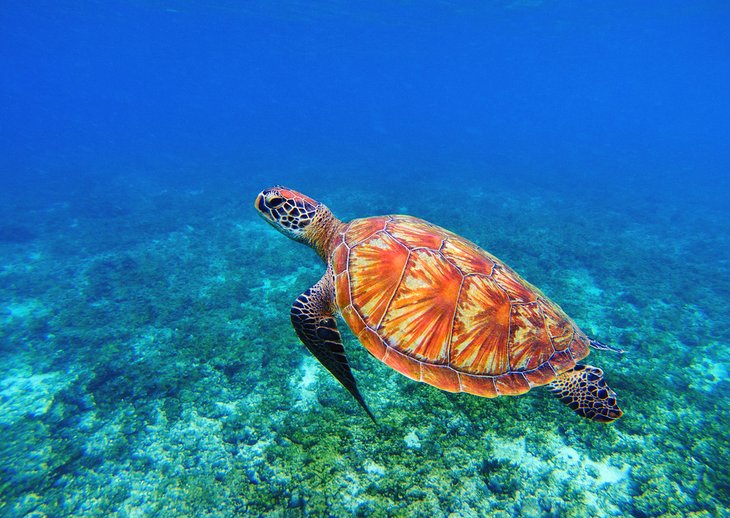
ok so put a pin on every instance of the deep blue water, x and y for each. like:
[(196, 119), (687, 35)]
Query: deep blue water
[(585, 143), (555, 93)]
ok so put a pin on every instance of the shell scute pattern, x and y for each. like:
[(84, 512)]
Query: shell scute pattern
[(376, 266), (419, 319), (476, 348), (415, 234), (478, 385), (529, 343), (353, 318), (360, 229), (439, 309), (342, 290), (372, 342), (558, 325), (467, 258), (403, 364), (442, 376), (340, 258)]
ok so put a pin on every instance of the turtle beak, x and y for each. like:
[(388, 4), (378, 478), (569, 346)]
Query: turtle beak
[(265, 212), (260, 205)]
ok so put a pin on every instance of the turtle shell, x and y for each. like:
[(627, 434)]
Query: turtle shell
[(439, 309)]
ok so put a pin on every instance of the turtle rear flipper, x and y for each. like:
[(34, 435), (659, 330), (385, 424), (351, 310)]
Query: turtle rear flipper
[(314, 322), (584, 390)]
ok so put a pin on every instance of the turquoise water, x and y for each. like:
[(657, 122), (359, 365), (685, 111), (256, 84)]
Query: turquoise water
[(148, 365)]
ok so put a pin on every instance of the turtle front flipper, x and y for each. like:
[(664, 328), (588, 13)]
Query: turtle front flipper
[(314, 322), (584, 390)]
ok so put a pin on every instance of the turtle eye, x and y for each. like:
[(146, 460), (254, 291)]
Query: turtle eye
[(275, 202)]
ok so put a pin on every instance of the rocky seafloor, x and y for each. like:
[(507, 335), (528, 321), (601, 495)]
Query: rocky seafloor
[(148, 366)]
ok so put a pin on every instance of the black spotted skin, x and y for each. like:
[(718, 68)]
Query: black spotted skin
[(585, 391)]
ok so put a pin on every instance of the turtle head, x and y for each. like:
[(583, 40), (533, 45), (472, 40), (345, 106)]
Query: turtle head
[(295, 215)]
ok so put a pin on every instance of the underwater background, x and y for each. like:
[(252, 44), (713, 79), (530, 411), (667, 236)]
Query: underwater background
[(147, 362)]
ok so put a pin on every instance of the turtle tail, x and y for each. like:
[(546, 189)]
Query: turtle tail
[(604, 347)]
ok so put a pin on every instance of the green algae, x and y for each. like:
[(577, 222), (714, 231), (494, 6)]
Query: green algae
[(160, 375)]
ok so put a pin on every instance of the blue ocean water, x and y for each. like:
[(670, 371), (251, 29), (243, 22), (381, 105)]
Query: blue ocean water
[(148, 365)]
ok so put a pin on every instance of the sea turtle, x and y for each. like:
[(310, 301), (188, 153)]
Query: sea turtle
[(435, 307)]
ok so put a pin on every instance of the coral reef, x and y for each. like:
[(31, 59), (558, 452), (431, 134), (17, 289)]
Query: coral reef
[(149, 367)]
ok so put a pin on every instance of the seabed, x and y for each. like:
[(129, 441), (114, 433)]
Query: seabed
[(148, 366)]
